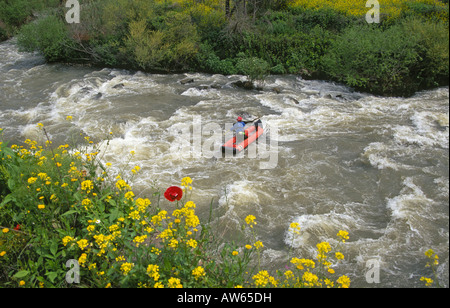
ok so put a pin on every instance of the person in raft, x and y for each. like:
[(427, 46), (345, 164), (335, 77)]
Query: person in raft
[(239, 129)]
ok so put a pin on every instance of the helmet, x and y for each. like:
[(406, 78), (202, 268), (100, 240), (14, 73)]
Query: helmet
[(239, 118)]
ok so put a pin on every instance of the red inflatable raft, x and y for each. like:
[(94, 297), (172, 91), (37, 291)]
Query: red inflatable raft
[(253, 133)]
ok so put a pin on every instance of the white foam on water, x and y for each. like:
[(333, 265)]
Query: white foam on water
[(322, 227), (411, 202), (379, 156)]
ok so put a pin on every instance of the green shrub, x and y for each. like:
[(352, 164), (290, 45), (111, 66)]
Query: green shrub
[(327, 18), (431, 12), (208, 61), (3, 34), (254, 68), (374, 60), (14, 13), (49, 36), (433, 46)]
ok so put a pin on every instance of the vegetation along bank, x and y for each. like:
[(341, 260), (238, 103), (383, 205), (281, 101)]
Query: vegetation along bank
[(405, 52)]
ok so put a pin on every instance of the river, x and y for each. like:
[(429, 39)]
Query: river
[(334, 159)]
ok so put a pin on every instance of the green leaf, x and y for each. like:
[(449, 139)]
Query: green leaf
[(52, 276), (69, 212), (21, 274), (54, 248)]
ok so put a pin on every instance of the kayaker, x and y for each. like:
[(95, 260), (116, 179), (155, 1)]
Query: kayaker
[(239, 130)]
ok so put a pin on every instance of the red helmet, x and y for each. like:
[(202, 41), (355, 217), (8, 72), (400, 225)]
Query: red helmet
[(239, 118)]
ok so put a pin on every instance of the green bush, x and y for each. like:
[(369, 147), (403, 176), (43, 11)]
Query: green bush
[(208, 61), (173, 46), (369, 58), (15, 13), (433, 46), (3, 34), (254, 68), (49, 36), (431, 12), (307, 19)]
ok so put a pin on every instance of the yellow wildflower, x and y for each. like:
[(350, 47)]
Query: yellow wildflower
[(155, 250), (87, 186), (134, 215), (175, 283), (120, 258), (289, 274), (428, 281), (173, 243), (113, 228), (295, 228), (139, 239), (339, 256), (198, 272), (82, 259), (129, 195), (343, 235), (258, 245), (86, 203), (433, 258), (192, 220), (126, 268), (157, 219), (344, 281), (67, 239), (310, 280), (192, 243), (142, 204), (153, 272), (83, 243), (186, 182), (263, 278), (41, 206), (300, 263), (250, 220), (122, 185)]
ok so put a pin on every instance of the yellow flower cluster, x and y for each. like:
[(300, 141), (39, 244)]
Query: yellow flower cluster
[(121, 184), (186, 182), (126, 267), (263, 279), (306, 271), (391, 8), (250, 220), (188, 214), (433, 262), (198, 272), (153, 272)]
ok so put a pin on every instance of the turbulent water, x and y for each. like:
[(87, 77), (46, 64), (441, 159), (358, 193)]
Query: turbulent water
[(376, 167)]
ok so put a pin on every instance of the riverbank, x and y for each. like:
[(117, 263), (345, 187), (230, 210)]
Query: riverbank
[(406, 52), (59, 203)]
